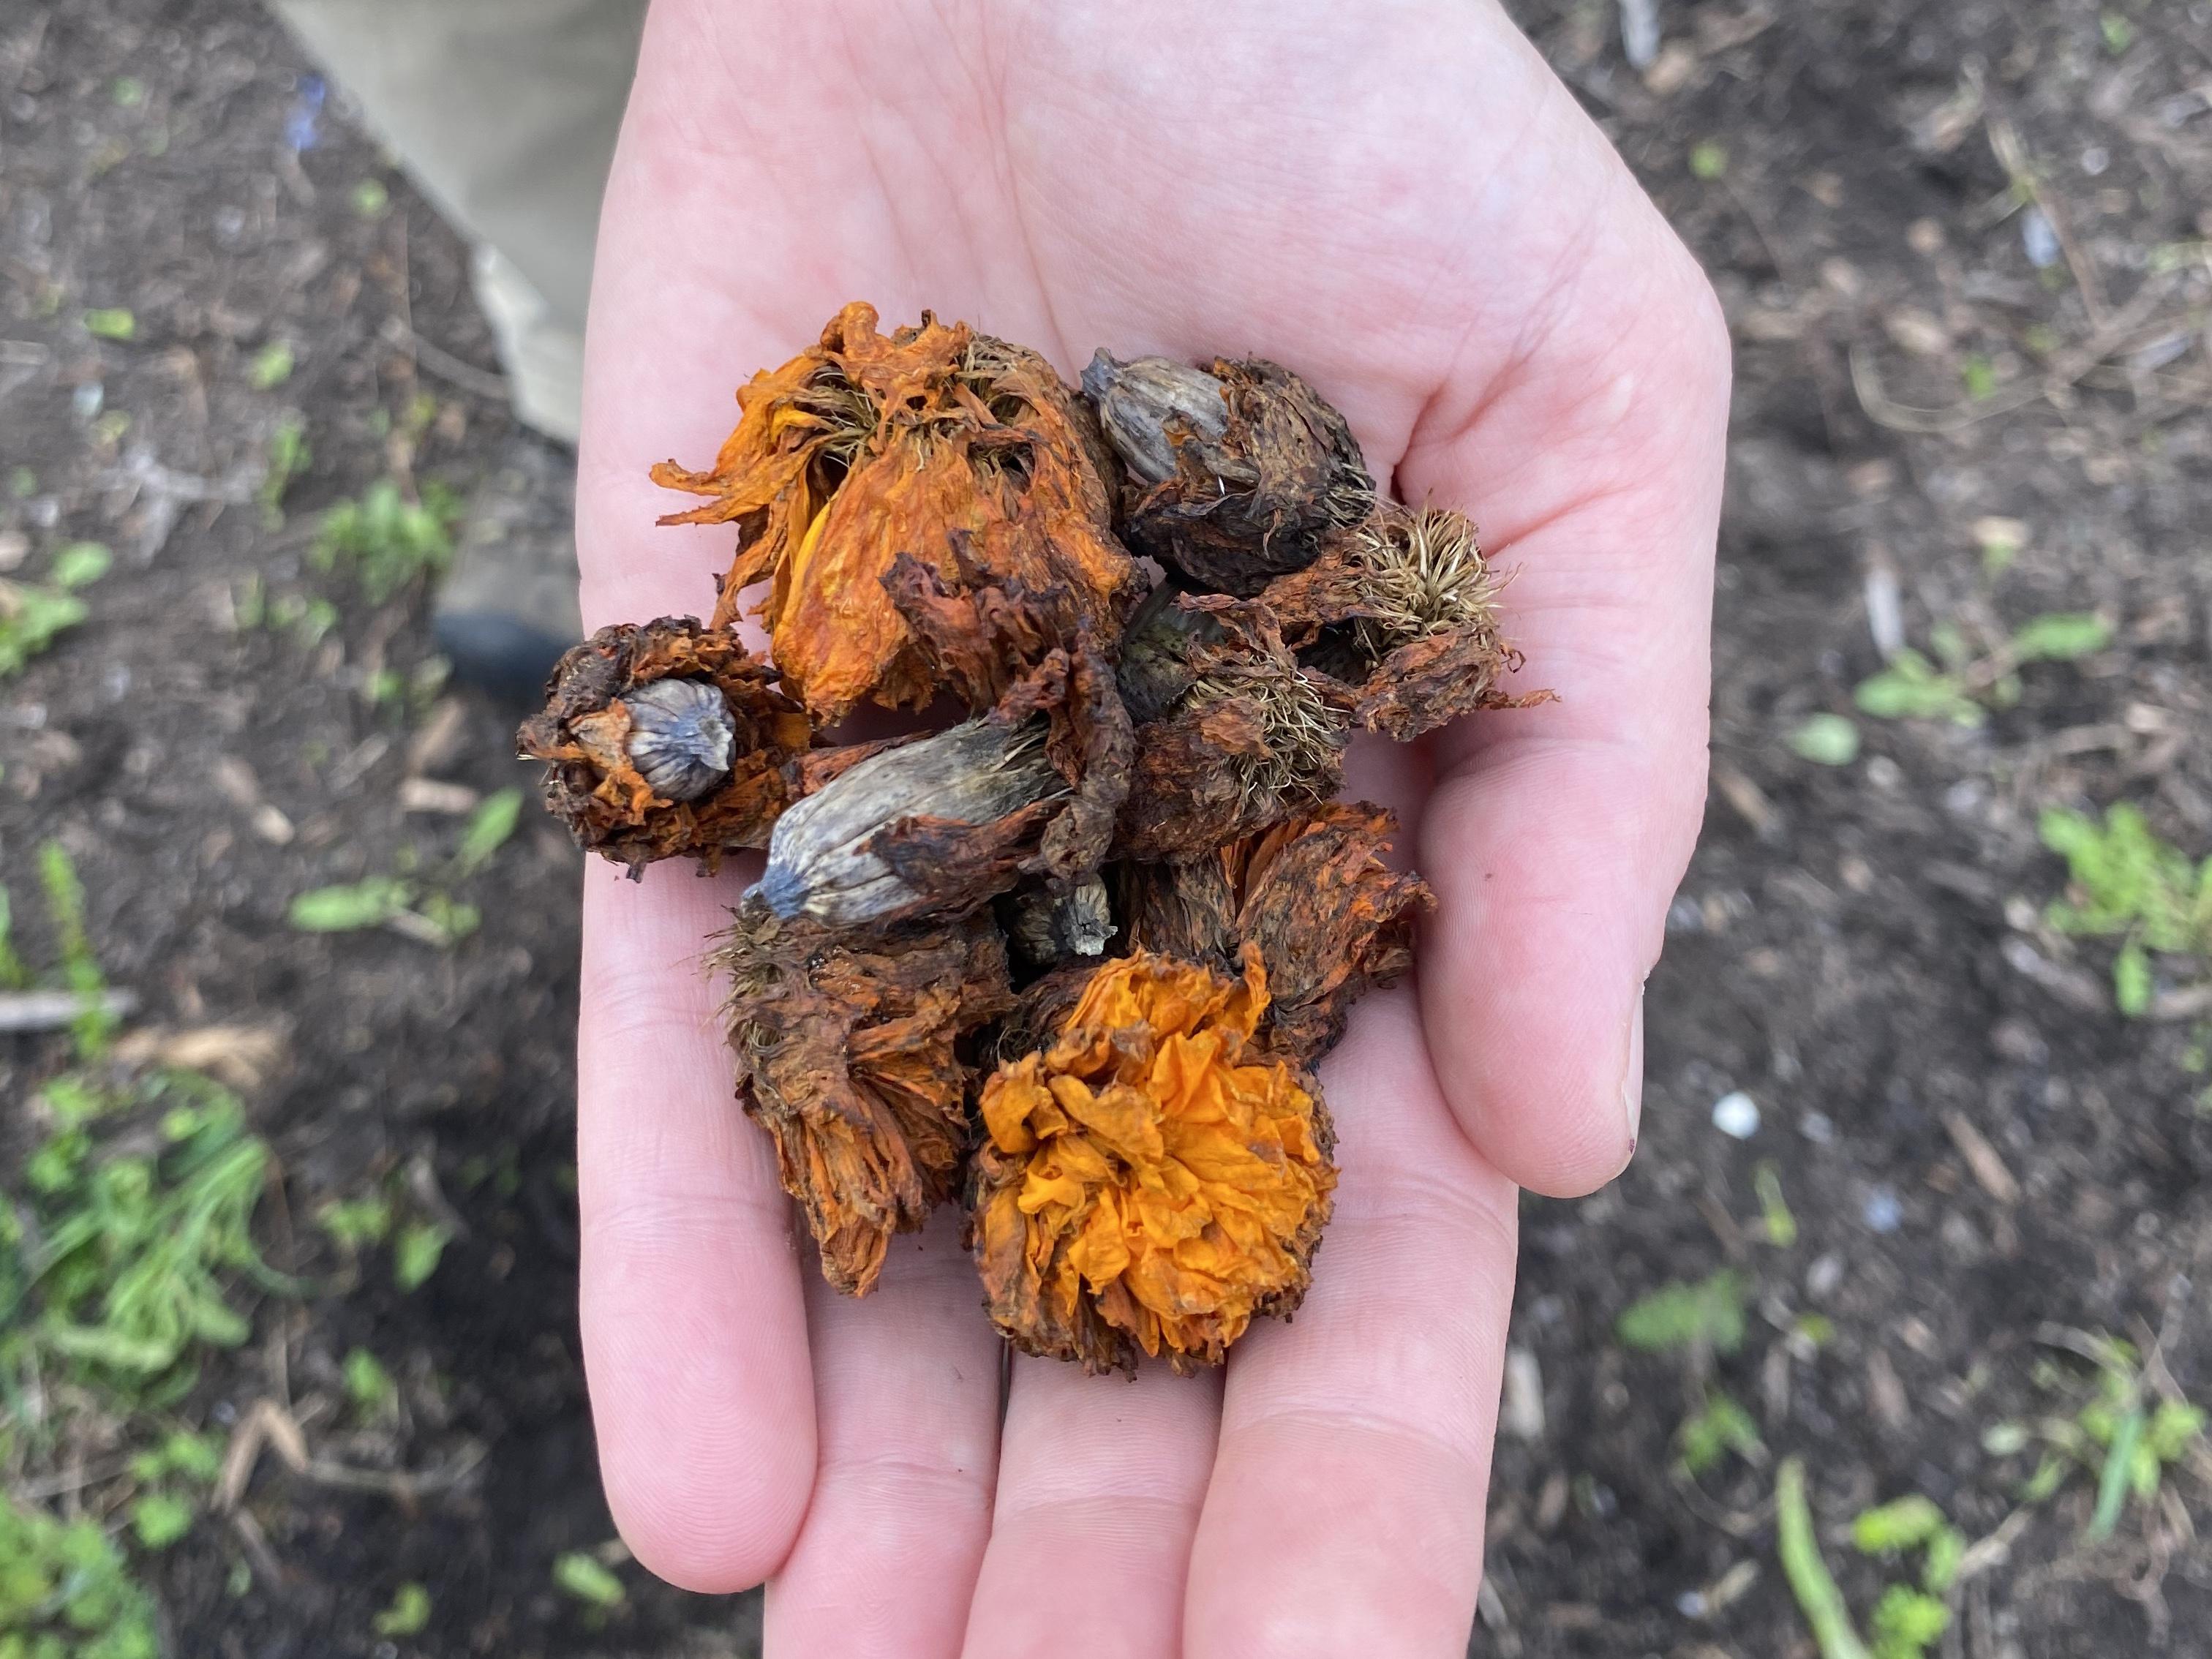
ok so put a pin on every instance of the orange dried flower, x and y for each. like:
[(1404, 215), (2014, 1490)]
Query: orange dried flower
[(849, 1050), (1153, 1179), (668, 738), (933, 441)]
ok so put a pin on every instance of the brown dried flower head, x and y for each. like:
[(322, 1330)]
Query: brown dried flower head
[(663, 739), (1237, 470), (1403, 608), (1249, 736), (933, 441), (849, 1050), (1311, 895), (1153, 1179)]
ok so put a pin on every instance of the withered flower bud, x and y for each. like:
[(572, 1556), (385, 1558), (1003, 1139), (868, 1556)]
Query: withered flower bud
[(923, 826), (1237, 470), (1403, 610), (1156, 670), (1153, 1179), (1252, 737), (1311, 895), (849, 1053), (669, 739), (1049, 927), (680, 737), (962, 451), (1140, 403)]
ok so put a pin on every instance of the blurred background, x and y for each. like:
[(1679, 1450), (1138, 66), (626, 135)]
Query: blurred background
[(1919, 1229)]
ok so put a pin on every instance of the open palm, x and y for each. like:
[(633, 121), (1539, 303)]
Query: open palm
[(1401, 203)]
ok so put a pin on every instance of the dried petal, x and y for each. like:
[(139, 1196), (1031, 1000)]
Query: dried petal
[(1153, 1179), (849, 1054), (1312, 895), (1232, 494), (1402, 609), (934, 441), (637, 724)]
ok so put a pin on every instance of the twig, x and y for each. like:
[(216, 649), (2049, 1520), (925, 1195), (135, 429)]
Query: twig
[(2012, 156), (403, 1484), (442, 364)]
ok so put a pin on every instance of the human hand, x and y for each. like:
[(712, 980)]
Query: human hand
[(1400, 203)]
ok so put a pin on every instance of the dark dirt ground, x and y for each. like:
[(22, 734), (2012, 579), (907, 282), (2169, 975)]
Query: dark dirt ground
[(1857, 948)]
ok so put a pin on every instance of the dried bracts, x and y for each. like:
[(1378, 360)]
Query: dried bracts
[(1311, 895), (665, 739), (1237, 470), (1402, 609), (849, 1048), (1152, 1178), (933, 441)]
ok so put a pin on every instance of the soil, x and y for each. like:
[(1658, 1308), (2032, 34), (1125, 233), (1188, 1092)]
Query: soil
[(1856, 948)]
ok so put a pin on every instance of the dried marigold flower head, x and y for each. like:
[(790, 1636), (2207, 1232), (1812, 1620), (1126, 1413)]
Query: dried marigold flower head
[(1311, 895), (1403, 610), (665, 739), (1153, 1179), (935, 440), (849, 1051), (1237, 470), (1249, 737)]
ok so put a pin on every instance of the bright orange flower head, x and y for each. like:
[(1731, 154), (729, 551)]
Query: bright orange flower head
[(1152, 1178)]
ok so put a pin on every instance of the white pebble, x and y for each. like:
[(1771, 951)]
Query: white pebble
[(1736, 1115)]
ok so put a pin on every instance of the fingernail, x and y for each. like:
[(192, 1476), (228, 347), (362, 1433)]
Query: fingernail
[(1632, 1081)]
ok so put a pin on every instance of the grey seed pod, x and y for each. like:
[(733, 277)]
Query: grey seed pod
[(1139, 400), (819, 858), (1050, 927), (680, 737)]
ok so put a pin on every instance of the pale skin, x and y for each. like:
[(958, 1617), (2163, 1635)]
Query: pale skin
[(1400, 202)]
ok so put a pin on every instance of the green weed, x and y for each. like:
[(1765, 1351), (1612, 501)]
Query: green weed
[(418, 1242), (33, 615), (1719, 1427), (1709, 1314), (387, 541), (2118, 1433), (111, 323), (2128, 884), (65, 1592), (271, 367), (424, 909), (1960, 687), (289, 455), (585, 1577), (409, 1614)]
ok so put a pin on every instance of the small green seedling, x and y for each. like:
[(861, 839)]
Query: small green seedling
[(409, 1614), (369, 1385), (65, 1592), (1717, 1429), (271, 367), (2128, 884), (111, 323), (1708, 160), (1781, 1223), (1827, 740), (33, 615), (418, 1242), (289, 455), (2119, 1434), (1709, 1314), (1965, 687), (421, 909), (388, 541), (584, 1577)]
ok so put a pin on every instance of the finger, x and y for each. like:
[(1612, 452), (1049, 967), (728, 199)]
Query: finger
[(1555, 837), (906, 1423), (1344, 1514), (694, 1333), (1100, 1481)]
